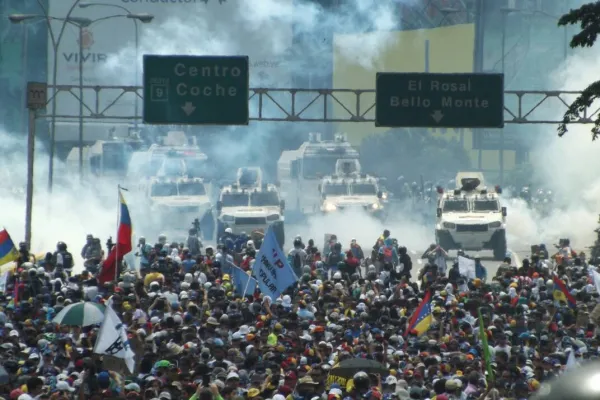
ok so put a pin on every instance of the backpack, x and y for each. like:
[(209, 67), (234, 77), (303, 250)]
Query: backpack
[(67, 260), (333, 259), (193, 245), (297, 261), (388, 254)]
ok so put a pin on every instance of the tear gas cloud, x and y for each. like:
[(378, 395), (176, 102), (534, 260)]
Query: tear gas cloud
[(565, 165), (411, 231), (266, 31), (267, 25), (75, 209), (69, 214), (568, 166)]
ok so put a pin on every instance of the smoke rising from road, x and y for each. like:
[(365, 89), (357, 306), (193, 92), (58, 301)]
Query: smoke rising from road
[(75, 209), (566, 165), (411, 231), (265, 30), (69, 214)]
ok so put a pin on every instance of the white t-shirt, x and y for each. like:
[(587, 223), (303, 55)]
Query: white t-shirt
[(507, 349)]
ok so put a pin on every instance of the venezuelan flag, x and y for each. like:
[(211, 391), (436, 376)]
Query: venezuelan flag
[(8, 251), (122, 247), (422, 318), (561, 293)]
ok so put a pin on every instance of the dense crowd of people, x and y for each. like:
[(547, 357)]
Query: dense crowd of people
[(359, 323)]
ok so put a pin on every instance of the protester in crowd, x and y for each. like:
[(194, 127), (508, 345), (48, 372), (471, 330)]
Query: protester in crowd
[(199, 327)]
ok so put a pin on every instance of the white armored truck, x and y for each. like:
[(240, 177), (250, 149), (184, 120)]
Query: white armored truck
[(250, 205), (471, 217), (177, 201), (108, 158), (301, 171), (176, 156), (349, 190)]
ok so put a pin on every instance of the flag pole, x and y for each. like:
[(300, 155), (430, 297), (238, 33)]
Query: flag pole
[(117, 241), (247, 284)]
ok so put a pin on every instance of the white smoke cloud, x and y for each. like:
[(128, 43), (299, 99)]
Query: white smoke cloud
[(69, 214), (410, 230), (75, 209), (568, 166), (264, 27)]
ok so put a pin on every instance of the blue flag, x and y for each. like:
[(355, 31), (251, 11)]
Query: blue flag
[(271, 268), (240, 281)]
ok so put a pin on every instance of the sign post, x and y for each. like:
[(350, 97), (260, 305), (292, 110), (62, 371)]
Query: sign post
[(196, 90), (37, 97), (424, 100)]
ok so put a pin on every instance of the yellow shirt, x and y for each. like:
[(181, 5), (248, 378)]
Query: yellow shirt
[(153, 276)]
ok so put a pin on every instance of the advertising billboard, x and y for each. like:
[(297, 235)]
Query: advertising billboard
[(190, 27)]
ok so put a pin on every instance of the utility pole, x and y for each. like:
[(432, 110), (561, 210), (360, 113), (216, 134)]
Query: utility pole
[(37, 97), (505, 12), (477, 134), (80, 62), (25, 30)]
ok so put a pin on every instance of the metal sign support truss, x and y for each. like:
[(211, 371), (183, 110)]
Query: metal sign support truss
[(110, 103)]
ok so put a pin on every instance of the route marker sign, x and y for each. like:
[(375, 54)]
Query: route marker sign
[(37, 95), (196, 90), (424, 100)]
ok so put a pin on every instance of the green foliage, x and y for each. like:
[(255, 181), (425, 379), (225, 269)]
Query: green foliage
[(588, 18), (413, 153)]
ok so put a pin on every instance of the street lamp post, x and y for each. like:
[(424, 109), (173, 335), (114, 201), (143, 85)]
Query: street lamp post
[(144, 18), (505, 12), (25, 67), (24, 51), (19, 18), (83, 22), (80, 23)]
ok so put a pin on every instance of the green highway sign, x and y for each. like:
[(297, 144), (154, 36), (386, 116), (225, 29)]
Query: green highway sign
[(424, 100), (196, 90)]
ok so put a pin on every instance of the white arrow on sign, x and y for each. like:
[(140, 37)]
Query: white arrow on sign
[(437, 116), (188, 108)]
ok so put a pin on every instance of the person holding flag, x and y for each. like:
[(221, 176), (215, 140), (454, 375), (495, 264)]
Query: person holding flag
[(421, 319), (244, 284), (8, 251), (561, 292), (109, 271), (271, 269), (112, 339)]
